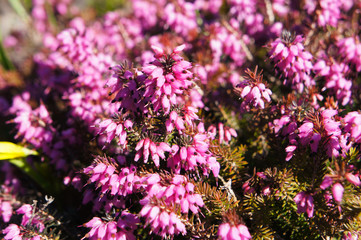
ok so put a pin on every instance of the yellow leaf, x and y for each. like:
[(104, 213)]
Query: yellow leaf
[(10, 150)]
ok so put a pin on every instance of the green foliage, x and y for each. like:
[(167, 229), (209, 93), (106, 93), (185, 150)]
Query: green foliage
[(4, 60), (40, 172), (105, 6), (20, 10)]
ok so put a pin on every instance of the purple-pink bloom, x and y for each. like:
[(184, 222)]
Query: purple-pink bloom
[(292, 61), (304, 203), (167, 78), (6, 210), (123, 229), (162, 221), (147, 148), (349, 48), (327, 181), (12, 232), (327, 12), (253, 91), (226, 231), (354, 179), (337, 192)]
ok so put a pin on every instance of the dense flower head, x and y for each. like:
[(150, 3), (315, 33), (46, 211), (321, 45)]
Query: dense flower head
[(33, 125), (146, 11), (106, 176), (162, 221), (40, 16), (246, 12), (253, 91), (115, 128), (147, 148), (335, 76), (225, 41), (36, 127), (115, 230), (349, 48), (327, 12), (192, 153), (168, 78), (181, 17), (179, 191), (321, 131), (167, 197), (352, 122), (292, 60)]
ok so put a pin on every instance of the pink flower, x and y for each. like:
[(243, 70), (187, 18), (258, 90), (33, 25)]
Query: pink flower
[(181, 17), (12, 232), (327, 181), (253, 91), (147, 147), (123, 229), (225, 133), (176, 121), (335, 75), (112, 180), (179, 192), (293, 61), (167, 78), (289, 151), (354, 179), (304, 203), (228, 232), (6, 210), (115, 128), (162, 222), (353, 125), (349, 48), (328, 12), (30, 218), (337, 192)]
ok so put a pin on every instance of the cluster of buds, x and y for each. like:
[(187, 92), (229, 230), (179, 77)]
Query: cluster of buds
[(253, 90)]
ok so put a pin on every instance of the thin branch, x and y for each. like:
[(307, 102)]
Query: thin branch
[(228, 187), (269, 11)]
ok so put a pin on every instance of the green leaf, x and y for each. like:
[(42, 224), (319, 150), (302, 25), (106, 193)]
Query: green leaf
[(9, 150), (39, 172), (20, 10), (4, 60)]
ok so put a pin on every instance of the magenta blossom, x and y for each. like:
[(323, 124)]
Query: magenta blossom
[(304, 203), (228, 232), (292, 61)]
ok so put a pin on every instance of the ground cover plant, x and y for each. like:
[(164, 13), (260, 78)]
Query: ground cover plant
[(155, 119)]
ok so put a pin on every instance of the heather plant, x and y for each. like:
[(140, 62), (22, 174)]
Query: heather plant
[(181, 119)]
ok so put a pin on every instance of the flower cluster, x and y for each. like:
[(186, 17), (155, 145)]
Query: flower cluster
[(121, 229), (253, 91), (226, 231), (150, 118), (327, 12), (349, 48), (335, 76), (304, 203), (292, 60)]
